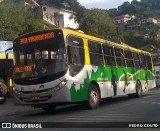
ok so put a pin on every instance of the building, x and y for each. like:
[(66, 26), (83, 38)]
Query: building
[(57, 16), (32, 3), (134, 25), (123, 19), (62, 18), (152, 20)]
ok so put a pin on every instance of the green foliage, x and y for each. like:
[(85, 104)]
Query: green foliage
[(136, 40), (16, 20), (98, 22), (144, 8), (93, 22)]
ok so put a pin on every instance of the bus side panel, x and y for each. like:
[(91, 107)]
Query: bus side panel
[(79, 86)]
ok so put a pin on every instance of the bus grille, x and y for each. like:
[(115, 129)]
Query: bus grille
[(38, 96)]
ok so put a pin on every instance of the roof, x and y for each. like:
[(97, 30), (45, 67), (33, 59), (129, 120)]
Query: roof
[(103, 41), (32, 2)]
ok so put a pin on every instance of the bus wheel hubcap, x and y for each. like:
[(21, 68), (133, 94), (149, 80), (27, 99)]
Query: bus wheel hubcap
[(93, 97)]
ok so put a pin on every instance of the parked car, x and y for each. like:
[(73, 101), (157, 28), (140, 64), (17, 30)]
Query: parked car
[(3, 92)]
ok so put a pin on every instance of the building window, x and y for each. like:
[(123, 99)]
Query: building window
[(47, 16), (44, 8)]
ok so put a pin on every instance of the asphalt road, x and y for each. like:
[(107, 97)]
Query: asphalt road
[(116, 110)]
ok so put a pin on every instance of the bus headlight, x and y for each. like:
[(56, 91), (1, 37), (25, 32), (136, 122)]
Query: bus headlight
[(61, 85), (16, 91)]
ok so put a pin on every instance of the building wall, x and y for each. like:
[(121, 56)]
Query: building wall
[(58, 17), (49, 14), (123, 19), (68, 20)]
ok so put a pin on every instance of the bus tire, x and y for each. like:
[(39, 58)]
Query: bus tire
[(138, 89), (94, 97), (49, 108)]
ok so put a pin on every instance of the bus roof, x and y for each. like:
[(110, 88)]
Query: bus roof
[(78, 33), (102, 41)]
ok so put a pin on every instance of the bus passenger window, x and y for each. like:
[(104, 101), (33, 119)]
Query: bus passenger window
[(95, 52), (142, 61), (119, 57), (29, 59), (149, 62), (136, 60), (22, 59), (37, 55), (109, 55), (44, 54), (53, 55), (129, 58)]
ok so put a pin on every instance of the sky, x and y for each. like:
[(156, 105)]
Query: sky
[(102, 4)]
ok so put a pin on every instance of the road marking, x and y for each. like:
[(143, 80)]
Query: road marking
[(146, 97), (151, 102)]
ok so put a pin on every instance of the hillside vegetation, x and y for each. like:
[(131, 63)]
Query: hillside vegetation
[(16, 20)]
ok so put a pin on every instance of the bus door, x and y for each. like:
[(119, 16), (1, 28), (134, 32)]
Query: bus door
[(78, 74)]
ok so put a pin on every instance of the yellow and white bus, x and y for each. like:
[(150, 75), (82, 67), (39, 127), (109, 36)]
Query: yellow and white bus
[(63, 66)]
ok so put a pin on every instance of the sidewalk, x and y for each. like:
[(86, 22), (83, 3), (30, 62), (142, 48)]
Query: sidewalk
[(8, 108)]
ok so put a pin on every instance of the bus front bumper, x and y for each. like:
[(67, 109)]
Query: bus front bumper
[(47, 96)]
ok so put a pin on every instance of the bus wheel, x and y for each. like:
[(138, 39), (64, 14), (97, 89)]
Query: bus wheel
[(94, 97), (49, 108), (138, 89)]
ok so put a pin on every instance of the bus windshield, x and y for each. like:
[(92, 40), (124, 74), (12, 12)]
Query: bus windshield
[(40, 58)]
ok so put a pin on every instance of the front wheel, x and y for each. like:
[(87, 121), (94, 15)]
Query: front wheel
[(94, 97)]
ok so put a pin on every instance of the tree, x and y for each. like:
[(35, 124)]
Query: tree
[(98, 22), (16, 20)]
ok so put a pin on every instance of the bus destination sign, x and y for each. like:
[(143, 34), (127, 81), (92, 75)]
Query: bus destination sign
[(23, 69), (36, 38)]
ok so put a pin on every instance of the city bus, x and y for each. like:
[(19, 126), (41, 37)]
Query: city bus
[(64, 66)]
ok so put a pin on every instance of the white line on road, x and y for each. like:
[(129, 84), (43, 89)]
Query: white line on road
[(151, 102)]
